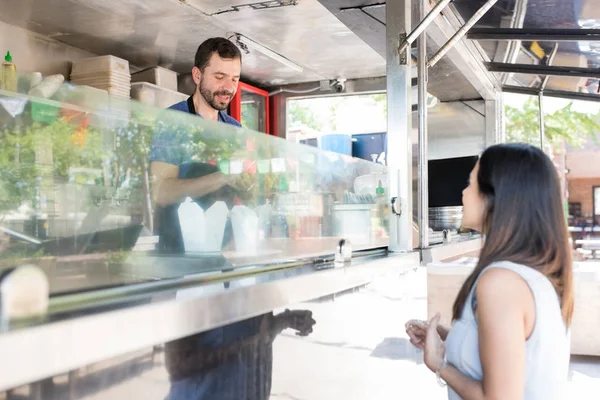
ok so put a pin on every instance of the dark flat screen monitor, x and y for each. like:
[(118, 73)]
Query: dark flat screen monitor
[(448, 177)]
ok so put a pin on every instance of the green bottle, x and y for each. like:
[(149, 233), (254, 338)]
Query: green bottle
[(8, 79)]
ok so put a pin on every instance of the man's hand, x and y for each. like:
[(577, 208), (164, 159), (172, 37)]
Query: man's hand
[(299, 320), (242, 182)]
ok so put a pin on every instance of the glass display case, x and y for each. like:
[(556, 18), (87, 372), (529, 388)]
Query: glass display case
[(159, 230), (164, 237), (80, 186)]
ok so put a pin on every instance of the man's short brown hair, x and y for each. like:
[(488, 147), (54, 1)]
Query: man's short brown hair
[(223, 47)]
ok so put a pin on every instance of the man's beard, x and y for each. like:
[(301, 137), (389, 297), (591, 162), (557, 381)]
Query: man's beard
[(211, 98)]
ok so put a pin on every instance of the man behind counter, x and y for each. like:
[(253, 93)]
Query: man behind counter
[(216, 73), (233, 362)]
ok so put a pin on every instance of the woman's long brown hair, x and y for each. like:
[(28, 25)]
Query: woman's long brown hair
[(524, 220)]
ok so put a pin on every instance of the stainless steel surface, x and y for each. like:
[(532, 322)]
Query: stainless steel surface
[(423, 205), (562, 94), (541, 119), (550, 60), (42, 350), (461, 32), (454, 129), (464, 56), (494, 121), (426, 19), (460, 246), (545, 81), (167, 33), (399, 126), (353, 330), (447, 82), (445, 218), (535, 34), (513, 48)]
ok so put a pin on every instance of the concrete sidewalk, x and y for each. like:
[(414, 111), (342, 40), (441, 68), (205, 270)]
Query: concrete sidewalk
[(355, 353)]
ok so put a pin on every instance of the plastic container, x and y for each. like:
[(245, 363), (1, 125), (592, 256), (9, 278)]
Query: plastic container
[(48, 87), (152, 95), (8, 78), (337, 143), (245, 223), (100, 64), (102, 75), (101, 80), (159, 76), (352, 221)]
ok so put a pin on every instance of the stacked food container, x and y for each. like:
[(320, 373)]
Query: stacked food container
[(108, 73)]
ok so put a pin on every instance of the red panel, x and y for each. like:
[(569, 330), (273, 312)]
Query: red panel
[(274, 114), (235, 108)]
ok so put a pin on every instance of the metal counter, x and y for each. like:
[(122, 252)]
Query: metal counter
[(138, 316), (459, 246)]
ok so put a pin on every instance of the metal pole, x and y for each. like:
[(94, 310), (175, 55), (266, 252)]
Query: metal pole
[(399, 127), (541, 97), (435, 11), (541, 109), (423, 209), (461, 32), (550, 61), (518, 20)]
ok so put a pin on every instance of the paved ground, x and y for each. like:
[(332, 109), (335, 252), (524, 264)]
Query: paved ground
[(358, 351), (355, 353)]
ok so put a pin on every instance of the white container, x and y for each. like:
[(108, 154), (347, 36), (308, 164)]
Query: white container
[(245, 229), (191, 220), (352, 221), (102, 75), (100, 64), (152, 95), (202, 232), (159, 76), (48, 87), (100, 80)]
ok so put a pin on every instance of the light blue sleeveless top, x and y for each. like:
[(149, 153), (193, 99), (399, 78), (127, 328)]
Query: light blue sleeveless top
[(547, 349)]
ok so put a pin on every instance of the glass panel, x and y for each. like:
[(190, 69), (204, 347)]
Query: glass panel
[(349, 348), (596, 205), (254, 112), (114, 192)]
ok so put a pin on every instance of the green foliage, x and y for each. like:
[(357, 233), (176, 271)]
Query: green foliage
[(299, 113), (522, 125)]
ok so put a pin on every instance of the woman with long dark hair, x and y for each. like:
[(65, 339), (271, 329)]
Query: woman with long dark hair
[(511, 319)]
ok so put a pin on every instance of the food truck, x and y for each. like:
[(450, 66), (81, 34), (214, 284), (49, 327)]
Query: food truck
[(293, 281)]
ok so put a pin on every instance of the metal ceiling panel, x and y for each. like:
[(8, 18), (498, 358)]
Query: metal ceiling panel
[(446, 82), (168, 32), (310, 36)]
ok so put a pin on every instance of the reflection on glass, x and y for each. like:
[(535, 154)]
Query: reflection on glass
[(77, 189), (254, 112), (596, 205)]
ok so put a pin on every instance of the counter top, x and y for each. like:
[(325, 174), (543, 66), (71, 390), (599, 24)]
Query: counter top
[(156, 312), (460, 246)]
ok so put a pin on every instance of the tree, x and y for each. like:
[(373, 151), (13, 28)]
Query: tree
[(522, 125), (301, 114)]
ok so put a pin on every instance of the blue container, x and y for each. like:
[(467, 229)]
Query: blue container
[(337, 143)]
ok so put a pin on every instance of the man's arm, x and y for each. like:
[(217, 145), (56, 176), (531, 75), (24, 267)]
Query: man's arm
[(168, 189)]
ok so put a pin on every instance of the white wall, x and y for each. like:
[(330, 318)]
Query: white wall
[(32, 52)]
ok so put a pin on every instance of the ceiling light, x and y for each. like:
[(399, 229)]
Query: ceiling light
[(246, 43)]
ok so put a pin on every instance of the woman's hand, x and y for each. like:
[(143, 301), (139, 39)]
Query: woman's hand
[(417, 332), (435, 348)]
